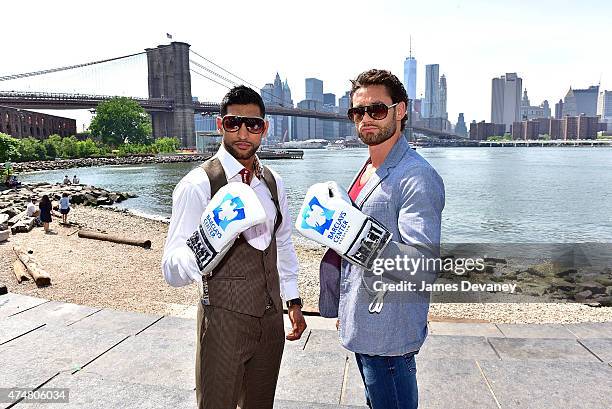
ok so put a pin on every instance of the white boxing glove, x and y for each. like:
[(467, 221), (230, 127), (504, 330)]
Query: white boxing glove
[(329, 217), (232, 210)]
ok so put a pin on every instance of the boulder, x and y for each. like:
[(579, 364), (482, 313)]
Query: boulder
[(583, 296), (103, 200), (605, 281), (4, 235), (89, 199), (11, 211), (566, 273), (594, 288)]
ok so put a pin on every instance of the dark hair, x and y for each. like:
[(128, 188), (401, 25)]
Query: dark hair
[(394, 86), (64, 194), (242, 95), (45, 200)]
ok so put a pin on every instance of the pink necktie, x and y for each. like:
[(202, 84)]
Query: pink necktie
[(246, 175)]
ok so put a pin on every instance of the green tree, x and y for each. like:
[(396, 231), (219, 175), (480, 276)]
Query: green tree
[(69, 147), (9, 148), (166, 145), (87, 148), (120, 120), (31, 149)]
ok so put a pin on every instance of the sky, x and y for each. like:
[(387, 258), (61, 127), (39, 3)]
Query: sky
[(552, 45)]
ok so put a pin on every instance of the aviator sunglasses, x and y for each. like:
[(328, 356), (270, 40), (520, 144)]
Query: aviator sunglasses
[(232, 123), (376, 111)]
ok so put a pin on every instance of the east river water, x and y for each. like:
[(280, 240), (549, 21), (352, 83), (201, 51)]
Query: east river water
[(500, 195)]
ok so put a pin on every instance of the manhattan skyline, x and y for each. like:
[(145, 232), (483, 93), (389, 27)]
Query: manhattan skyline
[(473, 42)]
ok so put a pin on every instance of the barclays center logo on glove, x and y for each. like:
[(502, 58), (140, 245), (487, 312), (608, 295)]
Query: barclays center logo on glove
[(229, 210), (319, 218)]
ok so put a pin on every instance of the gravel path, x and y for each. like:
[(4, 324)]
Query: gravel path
[(104, 274)]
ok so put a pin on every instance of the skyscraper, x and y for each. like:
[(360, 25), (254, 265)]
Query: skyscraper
[(460, 128), (431, 104), (329, 99), (506, 99), (277, 94), (314, 90), (443, 93), (604, 108), (410, 72), (559, 109), (581, 101), (347, 129)]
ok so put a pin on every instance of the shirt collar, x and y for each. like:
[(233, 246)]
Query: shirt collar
[(232, 167)]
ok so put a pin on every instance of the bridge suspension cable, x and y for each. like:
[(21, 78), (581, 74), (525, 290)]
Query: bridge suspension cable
[(208, 78), (69, 67), (280, 100), (213, 72)]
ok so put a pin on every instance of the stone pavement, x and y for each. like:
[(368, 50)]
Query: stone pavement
[(117, 359)]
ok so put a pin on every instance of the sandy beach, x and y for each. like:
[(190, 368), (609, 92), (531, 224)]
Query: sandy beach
[(104, 274)]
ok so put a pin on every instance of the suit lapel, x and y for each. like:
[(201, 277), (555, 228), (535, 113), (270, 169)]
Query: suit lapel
[(394, 157)]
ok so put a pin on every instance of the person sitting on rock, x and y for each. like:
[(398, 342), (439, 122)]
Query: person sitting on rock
[(66, 180), (33, 211), (13, 182), (75, 180)]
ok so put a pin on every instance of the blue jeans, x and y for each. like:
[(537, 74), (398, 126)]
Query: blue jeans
[(390, 381)]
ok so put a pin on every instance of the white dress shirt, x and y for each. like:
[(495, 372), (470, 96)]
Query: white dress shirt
[(189, 199)]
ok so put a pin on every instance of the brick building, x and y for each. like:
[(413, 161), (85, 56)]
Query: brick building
[(20, 123), (480, 131)]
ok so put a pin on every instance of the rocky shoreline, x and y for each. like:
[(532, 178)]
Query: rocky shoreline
[(547, 281), (33, 166)]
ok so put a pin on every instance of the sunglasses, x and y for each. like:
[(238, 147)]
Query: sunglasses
[(376, 111), (232, 123)]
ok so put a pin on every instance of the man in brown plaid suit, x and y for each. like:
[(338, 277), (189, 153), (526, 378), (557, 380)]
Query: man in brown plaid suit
[(240, 316)]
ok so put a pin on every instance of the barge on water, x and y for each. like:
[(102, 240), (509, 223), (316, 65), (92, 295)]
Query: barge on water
[(280, 154)]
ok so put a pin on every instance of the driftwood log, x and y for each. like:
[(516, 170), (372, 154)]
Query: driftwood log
[(17, 217), (89, 234), (21, 272), (23, 226), (40, 276)]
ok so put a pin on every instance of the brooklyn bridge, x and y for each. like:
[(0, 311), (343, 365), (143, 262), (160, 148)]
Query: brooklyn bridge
[(170, 102)]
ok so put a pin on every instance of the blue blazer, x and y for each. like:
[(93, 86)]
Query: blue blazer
[(406, 195)]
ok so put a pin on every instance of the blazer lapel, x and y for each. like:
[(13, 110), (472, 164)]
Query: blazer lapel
[(394, 157)]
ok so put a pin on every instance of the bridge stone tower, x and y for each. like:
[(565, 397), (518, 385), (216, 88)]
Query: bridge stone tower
[(169, 77)]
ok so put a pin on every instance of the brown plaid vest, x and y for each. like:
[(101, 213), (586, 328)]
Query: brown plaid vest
[(247, 278)]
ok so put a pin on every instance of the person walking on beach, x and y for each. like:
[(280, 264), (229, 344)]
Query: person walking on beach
[(401, 194), (45, 212), (64, 207), (230, 232)]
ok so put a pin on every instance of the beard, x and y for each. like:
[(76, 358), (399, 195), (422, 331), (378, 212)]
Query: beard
[(379, 137), (238, 154)]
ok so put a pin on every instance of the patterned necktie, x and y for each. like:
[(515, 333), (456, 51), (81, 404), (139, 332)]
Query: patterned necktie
[(246, 176)]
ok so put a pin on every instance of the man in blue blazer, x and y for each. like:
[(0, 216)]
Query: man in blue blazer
[(382, 311)]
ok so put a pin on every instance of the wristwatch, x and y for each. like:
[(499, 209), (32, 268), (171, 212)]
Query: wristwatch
[(295, 301)]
